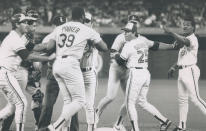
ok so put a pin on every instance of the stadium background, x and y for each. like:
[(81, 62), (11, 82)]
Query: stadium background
[(110, 16)]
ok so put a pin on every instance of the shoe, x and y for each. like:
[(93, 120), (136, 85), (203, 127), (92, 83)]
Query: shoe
[(36, 128), (51, 127), (119, 127), (179, 129), (166, 125)]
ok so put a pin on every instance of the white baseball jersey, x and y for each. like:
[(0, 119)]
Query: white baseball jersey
[(71, 39), (119, 42), (136, 52), (89, 57), (188, 55), (9, 47)]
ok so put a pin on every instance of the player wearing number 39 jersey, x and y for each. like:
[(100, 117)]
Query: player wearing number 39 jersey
[(70, 40)]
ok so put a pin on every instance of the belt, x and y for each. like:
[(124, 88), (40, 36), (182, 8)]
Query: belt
[(183, 66), (139, 68), (65, 56), (86, 69)]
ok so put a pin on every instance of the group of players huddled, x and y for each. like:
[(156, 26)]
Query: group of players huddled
[(70, 51)]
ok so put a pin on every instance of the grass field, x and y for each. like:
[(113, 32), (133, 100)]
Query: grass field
[(162, 94)]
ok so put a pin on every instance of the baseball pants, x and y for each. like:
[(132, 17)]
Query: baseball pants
[(90, 83), (137, 89), (117, 78), (16, 99), (22, 77), (70, 80), (51, 94), (188, 89)]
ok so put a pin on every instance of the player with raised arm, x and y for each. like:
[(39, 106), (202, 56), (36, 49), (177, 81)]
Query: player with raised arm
[(189, 72), (12, 52), (70, 40), (134, 56)]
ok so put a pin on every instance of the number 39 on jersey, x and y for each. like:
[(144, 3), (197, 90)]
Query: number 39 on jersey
[(66, 40)]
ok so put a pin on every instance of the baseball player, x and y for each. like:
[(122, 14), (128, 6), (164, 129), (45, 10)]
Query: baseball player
[(135, 56), (27, 76), (188, 70), (11, 55), (89, 75), (52, 90), (70, 40), (117, 77)]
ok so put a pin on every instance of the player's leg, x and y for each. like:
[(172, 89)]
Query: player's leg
[(90, 87), (134, 85), (71, 85), (145, 105), (182, 100), (112, 90), (123, 110), (18, 98), (22, 77), (51, 94), (193, 90)]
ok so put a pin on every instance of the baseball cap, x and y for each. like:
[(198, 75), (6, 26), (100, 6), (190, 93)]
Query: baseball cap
[(130, 27), (133, 18), (32, 13), (20, 17), (78, 13), (88, 17), (59, 20)]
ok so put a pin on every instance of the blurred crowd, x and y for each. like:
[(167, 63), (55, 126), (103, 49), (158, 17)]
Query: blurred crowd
[(152, 13)]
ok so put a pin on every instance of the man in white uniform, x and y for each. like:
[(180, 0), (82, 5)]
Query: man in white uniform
[(135, 56), (11, 55), (70, 40), (189, 73), (118, 76), (89, 75)]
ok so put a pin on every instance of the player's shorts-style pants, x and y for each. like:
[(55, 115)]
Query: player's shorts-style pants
[(16, 99), (68, 74)]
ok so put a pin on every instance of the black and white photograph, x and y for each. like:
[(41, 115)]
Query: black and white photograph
[(102, 65)]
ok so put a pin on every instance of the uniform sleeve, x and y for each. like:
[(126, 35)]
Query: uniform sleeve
[(149, 43), (95, 36), (118, 42), (18, 45), (53, 35), (125, 52), (193, 41)]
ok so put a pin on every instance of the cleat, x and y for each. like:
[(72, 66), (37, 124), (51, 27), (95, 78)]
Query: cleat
[(166, 125), (178, 129), (119, 127)]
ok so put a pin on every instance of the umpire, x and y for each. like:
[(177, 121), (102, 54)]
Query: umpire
[(52, 91)]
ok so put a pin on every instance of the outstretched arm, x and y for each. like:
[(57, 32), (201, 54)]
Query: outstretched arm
[(181, 39)]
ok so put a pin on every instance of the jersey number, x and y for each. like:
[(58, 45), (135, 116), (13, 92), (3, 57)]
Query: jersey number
[(66, 40), (144, 54)]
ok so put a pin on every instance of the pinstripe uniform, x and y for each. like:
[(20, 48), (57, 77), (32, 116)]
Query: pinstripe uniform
[(10, 63), (188, 80), (71, 39), (90, 81), (135, 53)]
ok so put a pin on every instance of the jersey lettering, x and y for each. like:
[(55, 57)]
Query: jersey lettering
[(66, 40), (143, 56)]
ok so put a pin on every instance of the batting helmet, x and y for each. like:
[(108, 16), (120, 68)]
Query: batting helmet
[(130, 27), (59, 20), (18, 18), (133, 18)]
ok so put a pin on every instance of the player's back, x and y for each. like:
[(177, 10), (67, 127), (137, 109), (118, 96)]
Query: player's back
[(136, 52), (71, 39)]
